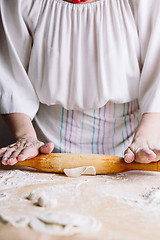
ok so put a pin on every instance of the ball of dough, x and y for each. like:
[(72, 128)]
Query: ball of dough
[(46, 201), (34, 195)]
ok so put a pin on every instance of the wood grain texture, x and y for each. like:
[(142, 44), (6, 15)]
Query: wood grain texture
[(104, 164)]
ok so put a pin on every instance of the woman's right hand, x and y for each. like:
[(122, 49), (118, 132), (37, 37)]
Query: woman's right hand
[(22, 149)]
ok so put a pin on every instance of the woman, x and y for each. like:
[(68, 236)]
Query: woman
[(88, 74)]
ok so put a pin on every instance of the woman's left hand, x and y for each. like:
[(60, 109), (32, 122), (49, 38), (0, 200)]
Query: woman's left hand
[(145, 147), (142, 151)]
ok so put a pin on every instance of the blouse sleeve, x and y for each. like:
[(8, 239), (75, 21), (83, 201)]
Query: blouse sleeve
[(148, 24), (17, 94)]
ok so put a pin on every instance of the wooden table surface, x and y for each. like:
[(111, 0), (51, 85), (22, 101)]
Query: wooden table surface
[(117, 201)]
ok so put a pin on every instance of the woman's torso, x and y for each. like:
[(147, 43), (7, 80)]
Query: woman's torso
[(85, 55)]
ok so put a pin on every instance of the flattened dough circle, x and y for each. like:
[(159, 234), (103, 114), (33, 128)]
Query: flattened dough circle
[(65, 223)]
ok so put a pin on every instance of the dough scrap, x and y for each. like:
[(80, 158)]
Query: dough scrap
[(47, 201), (42, 198), (34, 195), (65, 223), (77, 172)]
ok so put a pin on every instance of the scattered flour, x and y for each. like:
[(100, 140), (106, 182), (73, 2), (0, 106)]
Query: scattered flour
[(152, 197), (25, 190), (17, 178), (3, 195)]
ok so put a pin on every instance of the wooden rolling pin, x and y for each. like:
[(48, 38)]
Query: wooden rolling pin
[(104, 164)]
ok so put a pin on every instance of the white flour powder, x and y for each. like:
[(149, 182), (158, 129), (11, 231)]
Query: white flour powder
[(20, 191)]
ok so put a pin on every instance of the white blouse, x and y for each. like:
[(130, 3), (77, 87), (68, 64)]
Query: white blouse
[(79, 56)]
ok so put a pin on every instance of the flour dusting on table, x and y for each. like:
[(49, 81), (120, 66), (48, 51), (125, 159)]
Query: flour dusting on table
[(20, 192)]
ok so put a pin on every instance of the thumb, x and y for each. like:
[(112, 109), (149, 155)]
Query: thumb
[(129, 156), (46, 148)]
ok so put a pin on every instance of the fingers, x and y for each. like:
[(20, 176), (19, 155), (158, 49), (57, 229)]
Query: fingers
[(21, 150), (11, 161), (24, 149), (47, 148), (32, 151), (12, 152), (27, 153), (141, 153), (2, 151)]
